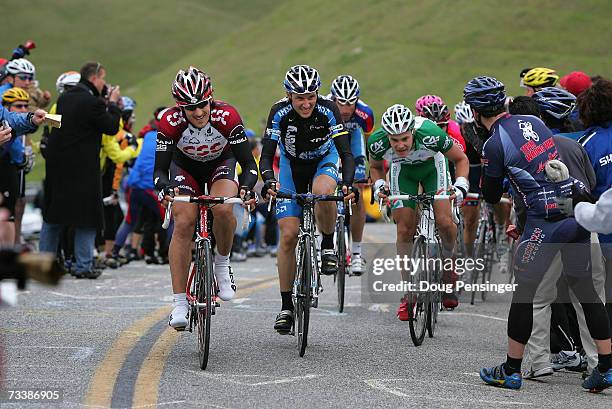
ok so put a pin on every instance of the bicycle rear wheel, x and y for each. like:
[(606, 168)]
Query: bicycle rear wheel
[(418, 301), (204, 308), (341, 273), (304, 290)]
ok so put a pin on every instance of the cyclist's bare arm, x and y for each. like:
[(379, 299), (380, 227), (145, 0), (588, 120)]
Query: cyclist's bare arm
[(377, 170), (462, 164)]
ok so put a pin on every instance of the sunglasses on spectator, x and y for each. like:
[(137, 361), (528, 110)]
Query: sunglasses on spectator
[(201, 105), (19, 106), (25, 77)]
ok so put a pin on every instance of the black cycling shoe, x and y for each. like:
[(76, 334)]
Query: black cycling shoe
[(329, 262), (284, 322)]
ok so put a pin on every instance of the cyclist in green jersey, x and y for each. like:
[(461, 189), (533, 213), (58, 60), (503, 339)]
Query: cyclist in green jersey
[(417, 151)]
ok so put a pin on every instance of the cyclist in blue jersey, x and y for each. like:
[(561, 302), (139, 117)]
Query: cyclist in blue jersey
[(519, 148), (358, 120), (311, 136), (595, 107)]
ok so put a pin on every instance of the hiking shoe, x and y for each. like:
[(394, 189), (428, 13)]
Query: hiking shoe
[(570, 360), (537, 373)]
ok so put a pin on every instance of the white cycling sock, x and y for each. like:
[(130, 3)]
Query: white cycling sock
[(222, 261), (179, 298), (356, 247)]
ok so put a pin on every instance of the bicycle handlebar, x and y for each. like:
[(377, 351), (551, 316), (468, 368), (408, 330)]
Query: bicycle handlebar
[(205, 200), (504, 200)]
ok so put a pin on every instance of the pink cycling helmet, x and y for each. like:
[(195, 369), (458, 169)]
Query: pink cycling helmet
[(432, 107)]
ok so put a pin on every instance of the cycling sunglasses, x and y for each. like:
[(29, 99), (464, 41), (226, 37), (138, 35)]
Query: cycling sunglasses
[(19, 106), (349, 101), (25, 77), (201, 105)]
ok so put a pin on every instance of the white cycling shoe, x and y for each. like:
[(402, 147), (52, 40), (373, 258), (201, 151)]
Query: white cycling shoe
[(225, 282), (357, 264), (178, 317)]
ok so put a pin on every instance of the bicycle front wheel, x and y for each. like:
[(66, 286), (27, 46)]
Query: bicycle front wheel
[(435, 297), (304, 291), (479, 253), (418, 301), (341, 274), (204, 308)]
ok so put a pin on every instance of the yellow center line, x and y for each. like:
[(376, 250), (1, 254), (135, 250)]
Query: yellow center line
[(147, 384), (102, 383)]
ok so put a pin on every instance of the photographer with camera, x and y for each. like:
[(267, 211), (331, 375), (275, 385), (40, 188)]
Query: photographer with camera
[(72, 187)]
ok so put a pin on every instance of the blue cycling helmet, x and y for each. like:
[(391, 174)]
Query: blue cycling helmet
[(484, 93), (302, 79), (249, 132), (128, 104), (556, 102)]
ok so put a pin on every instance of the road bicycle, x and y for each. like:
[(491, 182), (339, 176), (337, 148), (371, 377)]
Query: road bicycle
[(201, 285), (424, 306), (343, 244), (307, 283), (486, 245)]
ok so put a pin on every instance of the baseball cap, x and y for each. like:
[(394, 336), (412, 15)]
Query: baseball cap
[(575, 82)]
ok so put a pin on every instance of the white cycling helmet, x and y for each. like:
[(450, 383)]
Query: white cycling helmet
[(397, 119), (67, 79), (302, 79), (463, 113), (345, 89), (20, 66)]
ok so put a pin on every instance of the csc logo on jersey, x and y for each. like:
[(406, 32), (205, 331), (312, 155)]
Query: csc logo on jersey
[(175, 118), (219, 115), (203, 151)]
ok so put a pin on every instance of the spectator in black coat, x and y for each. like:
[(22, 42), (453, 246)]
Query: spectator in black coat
[(73, 195)]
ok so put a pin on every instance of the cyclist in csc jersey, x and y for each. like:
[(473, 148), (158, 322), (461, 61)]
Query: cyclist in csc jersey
[(198, 143)]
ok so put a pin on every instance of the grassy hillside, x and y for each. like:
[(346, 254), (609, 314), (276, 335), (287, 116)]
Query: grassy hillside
[(397, 49), (133, 39)]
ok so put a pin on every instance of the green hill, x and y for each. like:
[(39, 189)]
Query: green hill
[(398, 50)]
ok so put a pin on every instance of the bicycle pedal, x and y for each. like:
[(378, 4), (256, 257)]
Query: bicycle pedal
[(217, 304)]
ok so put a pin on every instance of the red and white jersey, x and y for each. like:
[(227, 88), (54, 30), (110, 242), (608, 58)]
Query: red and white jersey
[(206, 144)]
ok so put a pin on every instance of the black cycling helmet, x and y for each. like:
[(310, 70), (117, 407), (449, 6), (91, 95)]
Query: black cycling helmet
[(484, 93), (556, 102)]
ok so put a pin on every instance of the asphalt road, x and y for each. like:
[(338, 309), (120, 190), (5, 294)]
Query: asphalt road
[(106, 343)]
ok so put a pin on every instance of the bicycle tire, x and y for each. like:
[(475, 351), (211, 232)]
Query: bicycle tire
[(205, 290), (489, 249), (303, 298), (435, 276), (418, 303), (341, 273), (478, 253)]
